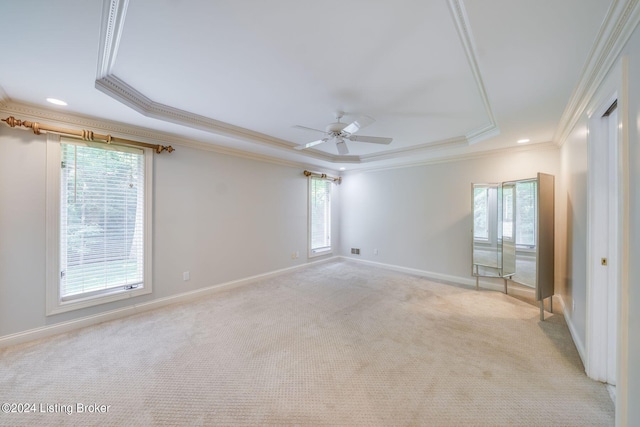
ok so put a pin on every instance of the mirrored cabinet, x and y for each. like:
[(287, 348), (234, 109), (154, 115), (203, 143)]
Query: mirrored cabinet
[(512, 234)]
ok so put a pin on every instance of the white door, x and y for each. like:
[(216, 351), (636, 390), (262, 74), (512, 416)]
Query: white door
[(603, 246)]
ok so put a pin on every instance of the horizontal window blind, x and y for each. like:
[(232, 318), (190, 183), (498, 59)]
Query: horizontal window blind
[(101, 219), (320, 211)]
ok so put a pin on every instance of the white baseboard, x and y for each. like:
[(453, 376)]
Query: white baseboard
[(62, 327), (574, 334), (484, 283)]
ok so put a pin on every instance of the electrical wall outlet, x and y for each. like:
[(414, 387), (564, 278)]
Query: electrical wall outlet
[(295, 255), (186, 276), (375, 252)]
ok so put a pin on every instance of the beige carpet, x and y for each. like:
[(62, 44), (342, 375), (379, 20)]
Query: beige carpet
[(334, 344)]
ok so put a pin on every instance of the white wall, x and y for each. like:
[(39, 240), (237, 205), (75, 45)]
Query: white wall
[(575, 188), (572, 229), (420, 217), (220, 217), (631, 325)]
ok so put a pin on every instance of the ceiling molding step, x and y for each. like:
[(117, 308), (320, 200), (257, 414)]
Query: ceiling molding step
[(343, 159), (128, 95), (450, 143), (113, 14), (621, 20), (459, 157), (79, 122), (482, 134), (321, 155), (459, 14)]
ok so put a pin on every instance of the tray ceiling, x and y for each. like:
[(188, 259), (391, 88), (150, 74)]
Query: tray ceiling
[(439, 77)]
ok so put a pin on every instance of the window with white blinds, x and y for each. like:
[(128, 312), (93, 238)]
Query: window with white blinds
[(101, 219), (102, 212), (319, 216)]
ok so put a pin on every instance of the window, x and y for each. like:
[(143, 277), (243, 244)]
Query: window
[(99, 241), (526, 213), (319, 216), (507, 211), (481, 213)]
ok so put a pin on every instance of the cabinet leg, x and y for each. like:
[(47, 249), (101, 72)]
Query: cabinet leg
[(551, 304), (505, 287), (542, 310), (477, 283)]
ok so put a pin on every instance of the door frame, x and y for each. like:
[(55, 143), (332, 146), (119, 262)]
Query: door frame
[(603, 237)]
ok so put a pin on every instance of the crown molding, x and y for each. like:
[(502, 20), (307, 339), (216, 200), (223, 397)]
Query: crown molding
[(621, 20), (542, 146), (461, 20), (489, 131), (455, 142), (79, 122), (113, 14), (126, 94)]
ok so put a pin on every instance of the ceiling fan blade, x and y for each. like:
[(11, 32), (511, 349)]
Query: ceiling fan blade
[(311, 129), (342, 147), (358, 124), (374, 139), (311, 144)]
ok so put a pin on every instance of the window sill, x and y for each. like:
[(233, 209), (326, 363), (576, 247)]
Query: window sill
[(65, 306), (320, 252)]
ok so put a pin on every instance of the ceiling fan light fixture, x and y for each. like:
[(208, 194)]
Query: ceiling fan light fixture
[(341, 146)]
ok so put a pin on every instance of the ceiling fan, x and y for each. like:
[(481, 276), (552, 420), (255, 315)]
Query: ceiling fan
[(339, 132)]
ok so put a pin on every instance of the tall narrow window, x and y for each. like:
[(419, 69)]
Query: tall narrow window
[(102, 228), (526, 209), (319, 216), (481, 213)]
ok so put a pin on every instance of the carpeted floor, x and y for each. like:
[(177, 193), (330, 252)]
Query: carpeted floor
[(333, 344)]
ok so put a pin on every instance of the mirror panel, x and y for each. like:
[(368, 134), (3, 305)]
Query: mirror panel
[(508, 229), (513, 233), (526, 231), (487, 236)]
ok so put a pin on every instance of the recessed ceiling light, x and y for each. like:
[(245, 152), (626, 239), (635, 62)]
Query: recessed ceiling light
[(342, 169), (56, 101), (523, 141)]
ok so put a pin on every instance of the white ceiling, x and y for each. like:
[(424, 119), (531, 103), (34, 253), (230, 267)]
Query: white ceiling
[(441, 77)]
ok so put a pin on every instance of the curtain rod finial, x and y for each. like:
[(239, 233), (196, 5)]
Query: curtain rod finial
[(12, 122)]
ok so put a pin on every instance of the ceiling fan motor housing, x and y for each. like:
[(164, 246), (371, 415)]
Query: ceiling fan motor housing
[(336, 128)]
